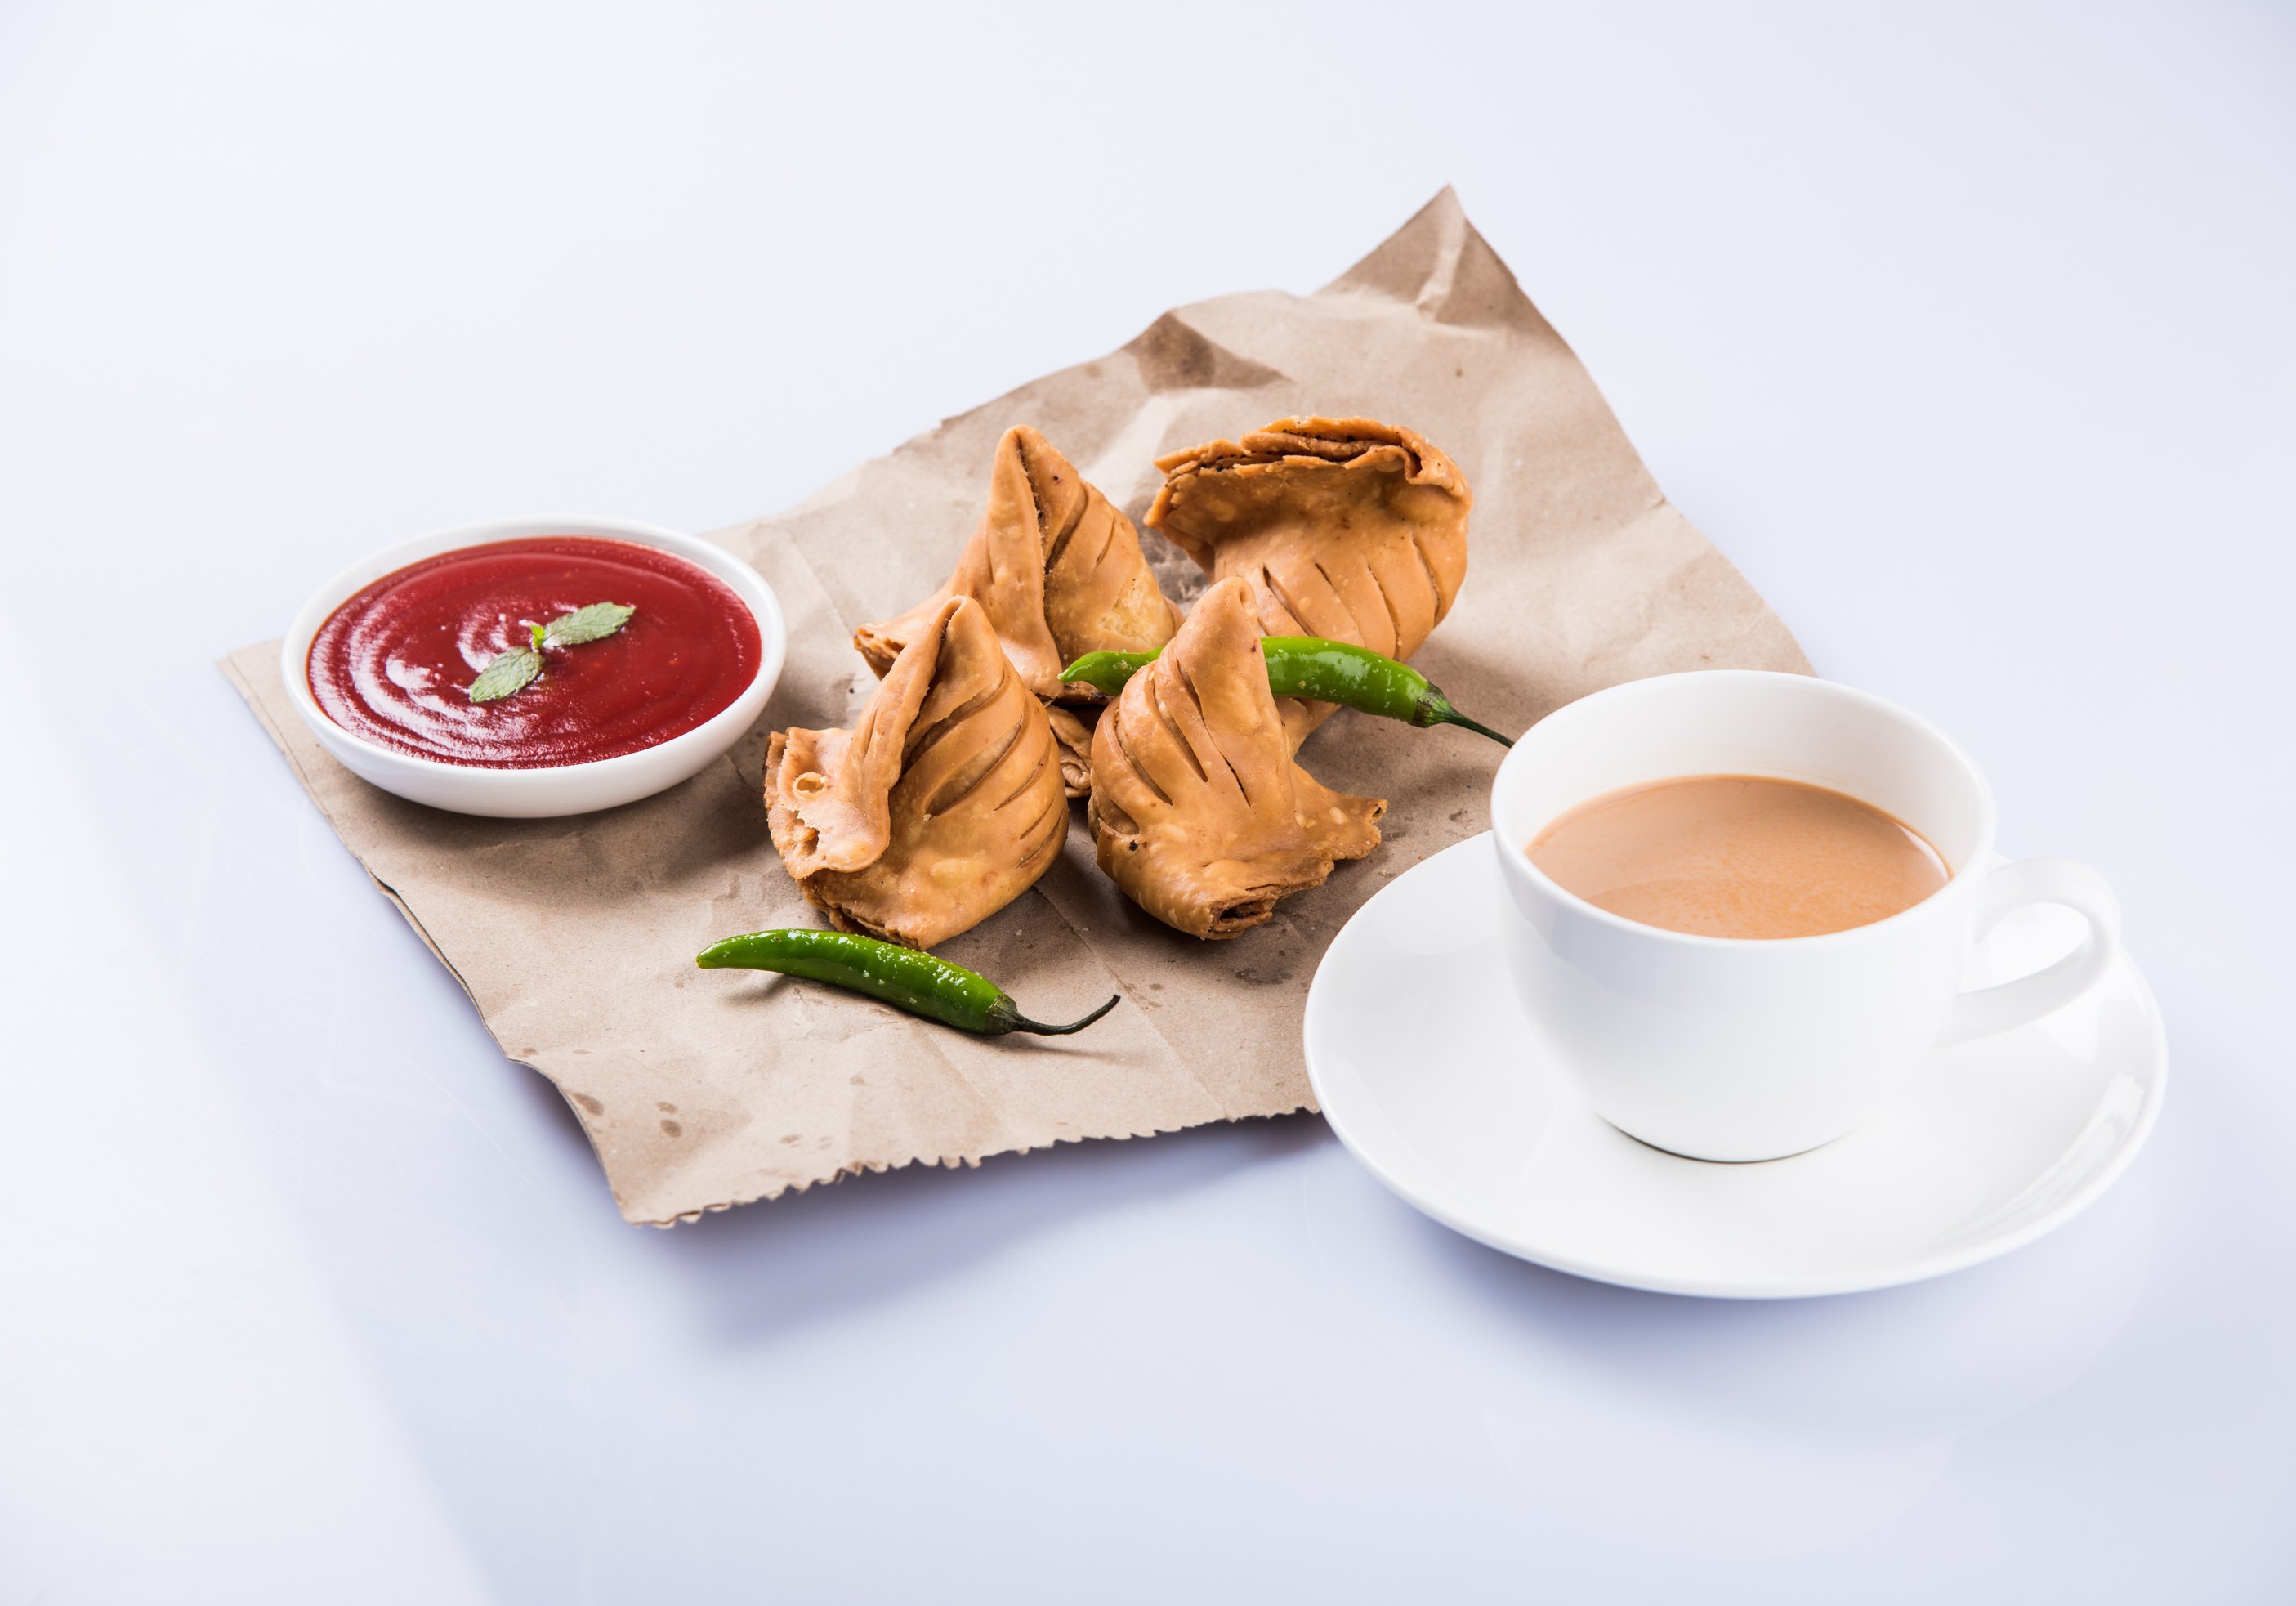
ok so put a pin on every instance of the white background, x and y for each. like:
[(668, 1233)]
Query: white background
[(1965, 331)]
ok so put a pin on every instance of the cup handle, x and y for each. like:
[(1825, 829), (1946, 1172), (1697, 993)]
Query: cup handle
[(1986, 1010)]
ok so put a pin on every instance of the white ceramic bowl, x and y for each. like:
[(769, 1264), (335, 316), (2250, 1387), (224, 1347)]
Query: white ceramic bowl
[(563, 788)]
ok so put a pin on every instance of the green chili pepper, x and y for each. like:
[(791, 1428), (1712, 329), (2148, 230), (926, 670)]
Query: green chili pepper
[(1321, 670), (1107, 672), (908, 978)]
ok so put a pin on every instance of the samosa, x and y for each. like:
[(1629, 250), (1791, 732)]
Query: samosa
[(1344, 528), (1059, 571), (941, 806), (1198, 811)]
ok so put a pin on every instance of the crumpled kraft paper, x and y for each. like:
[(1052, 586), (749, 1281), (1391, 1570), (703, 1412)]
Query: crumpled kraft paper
[(703, 1090)]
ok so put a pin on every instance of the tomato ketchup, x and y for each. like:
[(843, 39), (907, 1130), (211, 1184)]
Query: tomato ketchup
[(395, 662)]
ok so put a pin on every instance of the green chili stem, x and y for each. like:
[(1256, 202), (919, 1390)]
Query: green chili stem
[(1435, 709), (1021, 1023)]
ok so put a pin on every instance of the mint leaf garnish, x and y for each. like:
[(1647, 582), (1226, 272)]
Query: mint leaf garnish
[(516, 667), (509, 672), (596, 623)]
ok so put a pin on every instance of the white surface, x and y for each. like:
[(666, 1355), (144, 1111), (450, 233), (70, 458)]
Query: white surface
[(1427, 1068), (563, 788), (1964, 330), (1742, 1052)]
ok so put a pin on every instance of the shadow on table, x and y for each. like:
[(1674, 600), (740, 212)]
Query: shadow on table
[(1661, 1424), (763, 1269), (1975, 1345)]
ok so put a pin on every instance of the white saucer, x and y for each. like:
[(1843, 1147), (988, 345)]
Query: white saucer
[(1422, 1062)]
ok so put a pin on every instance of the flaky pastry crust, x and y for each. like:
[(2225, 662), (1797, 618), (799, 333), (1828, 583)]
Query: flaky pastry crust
[(1198, 811), (941, 805), (1344, 528), (1059, 571)]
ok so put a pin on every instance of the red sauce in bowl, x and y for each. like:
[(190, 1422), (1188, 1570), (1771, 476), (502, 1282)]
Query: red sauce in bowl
[(395, 663)]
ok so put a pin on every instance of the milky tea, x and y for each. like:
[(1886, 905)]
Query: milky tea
[(1739, 856)]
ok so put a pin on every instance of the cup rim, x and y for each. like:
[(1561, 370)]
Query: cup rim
[(744, 581), (1958, 875)]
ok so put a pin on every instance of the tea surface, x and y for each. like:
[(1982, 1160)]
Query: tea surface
[(1739, 856)]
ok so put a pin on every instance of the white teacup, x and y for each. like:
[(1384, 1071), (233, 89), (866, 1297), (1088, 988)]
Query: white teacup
[(1733, 1049)]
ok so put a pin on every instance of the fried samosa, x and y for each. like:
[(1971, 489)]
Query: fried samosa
[(943, 804), (1342, 528), (1198, 811), (1059, 571)]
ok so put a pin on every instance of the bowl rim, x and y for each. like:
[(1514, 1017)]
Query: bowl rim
[(739, 577)]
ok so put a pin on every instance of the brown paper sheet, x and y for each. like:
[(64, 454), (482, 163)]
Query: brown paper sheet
[(703, 1090)]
